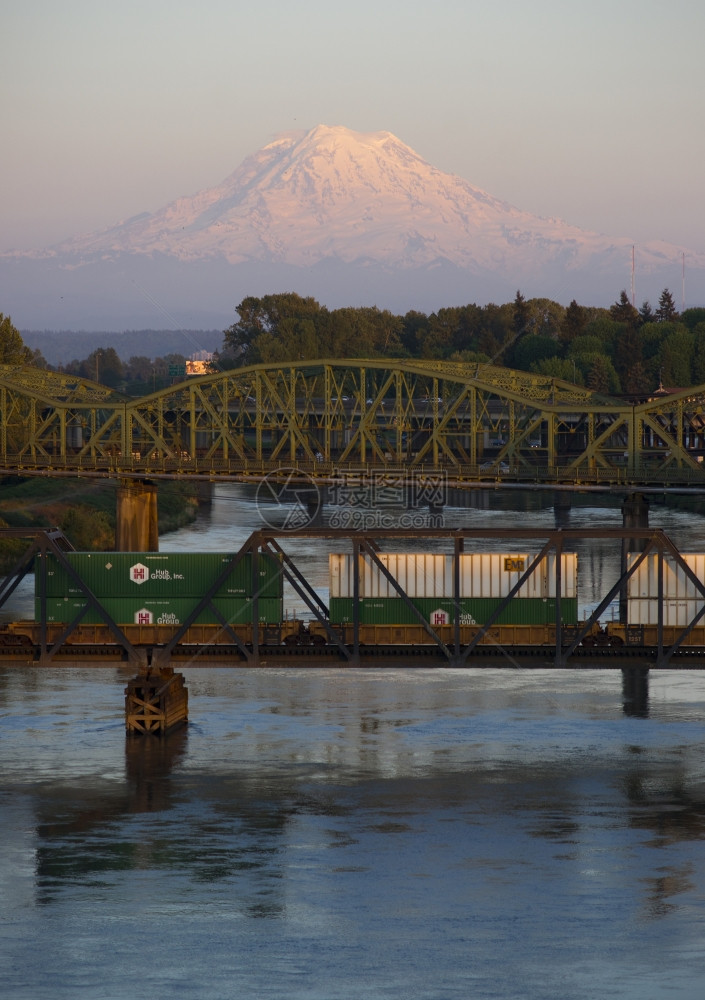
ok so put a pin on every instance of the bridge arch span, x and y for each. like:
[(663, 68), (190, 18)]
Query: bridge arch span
[(326, 416)]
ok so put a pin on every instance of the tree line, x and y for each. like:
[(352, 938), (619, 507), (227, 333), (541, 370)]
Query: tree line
[(619, 350), (138, 376)]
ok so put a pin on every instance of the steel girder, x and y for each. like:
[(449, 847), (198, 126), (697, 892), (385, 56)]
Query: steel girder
[(351, 414)]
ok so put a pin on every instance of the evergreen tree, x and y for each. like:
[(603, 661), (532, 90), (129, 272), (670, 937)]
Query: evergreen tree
[(646, 312), (623, 311), (574, 322), (520, 315), (666, 311), (414, 324), (12, 348), (628, 353), (602, 377), (488, 345), (699, 354), (636, 380)]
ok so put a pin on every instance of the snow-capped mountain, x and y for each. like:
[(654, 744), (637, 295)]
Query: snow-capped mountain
[(353, 218)]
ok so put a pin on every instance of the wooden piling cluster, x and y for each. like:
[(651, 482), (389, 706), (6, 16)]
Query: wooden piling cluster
[(156, 702)]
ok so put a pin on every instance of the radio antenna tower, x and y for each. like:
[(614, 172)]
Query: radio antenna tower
[(633, 302), (683, 286)]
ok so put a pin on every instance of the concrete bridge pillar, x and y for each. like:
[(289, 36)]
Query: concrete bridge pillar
[(205, 488), (635, 514), (315, 504), (137, 525), (562, 505)]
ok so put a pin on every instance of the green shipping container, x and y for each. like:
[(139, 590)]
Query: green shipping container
[(161, 574), (441, 611), (132, 611)]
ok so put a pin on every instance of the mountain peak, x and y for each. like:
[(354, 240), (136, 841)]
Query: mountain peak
[(333, 138), (313, 195), (331, 206)]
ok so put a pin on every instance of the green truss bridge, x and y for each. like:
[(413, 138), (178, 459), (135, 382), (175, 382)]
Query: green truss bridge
[(472, 423)]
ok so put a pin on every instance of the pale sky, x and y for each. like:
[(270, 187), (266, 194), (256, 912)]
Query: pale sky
[(590, 111)]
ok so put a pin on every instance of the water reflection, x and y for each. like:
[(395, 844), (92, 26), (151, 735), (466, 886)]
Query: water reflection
[(309, 764), (358, 832), (425, 829), (635, 692), (227, 830), (149, 764)]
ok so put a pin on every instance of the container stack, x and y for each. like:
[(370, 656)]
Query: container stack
[(485, 579), (160, 588)]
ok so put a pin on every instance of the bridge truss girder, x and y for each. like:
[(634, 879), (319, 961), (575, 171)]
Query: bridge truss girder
[(349, 414)]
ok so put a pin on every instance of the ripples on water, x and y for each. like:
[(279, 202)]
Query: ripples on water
[(352, 834)]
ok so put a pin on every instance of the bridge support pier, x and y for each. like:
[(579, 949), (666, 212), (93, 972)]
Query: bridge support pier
[(137, 525), (315, 506), (205, 488), (156, 702), (562, 505)]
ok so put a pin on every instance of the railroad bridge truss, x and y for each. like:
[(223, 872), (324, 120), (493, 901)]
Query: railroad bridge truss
[(315, 636), (473, 422)]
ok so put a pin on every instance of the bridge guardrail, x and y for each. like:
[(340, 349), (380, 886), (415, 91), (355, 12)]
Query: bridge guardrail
[(185, 465)]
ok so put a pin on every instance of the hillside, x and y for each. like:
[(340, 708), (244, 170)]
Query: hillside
[(62, 346)]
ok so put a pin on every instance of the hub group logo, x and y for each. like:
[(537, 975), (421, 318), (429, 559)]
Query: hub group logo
[(139, 573)]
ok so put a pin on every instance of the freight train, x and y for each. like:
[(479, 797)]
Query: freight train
[(150, 595)]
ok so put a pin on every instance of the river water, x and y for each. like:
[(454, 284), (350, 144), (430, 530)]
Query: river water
[(357, 833)]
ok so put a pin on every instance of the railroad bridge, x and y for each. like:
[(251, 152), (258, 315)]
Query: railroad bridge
[(472, 423)]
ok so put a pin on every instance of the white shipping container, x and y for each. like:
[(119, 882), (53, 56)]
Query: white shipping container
[(644, 611), (482, 574), (485, 574), (419, 574), (676, 584)]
